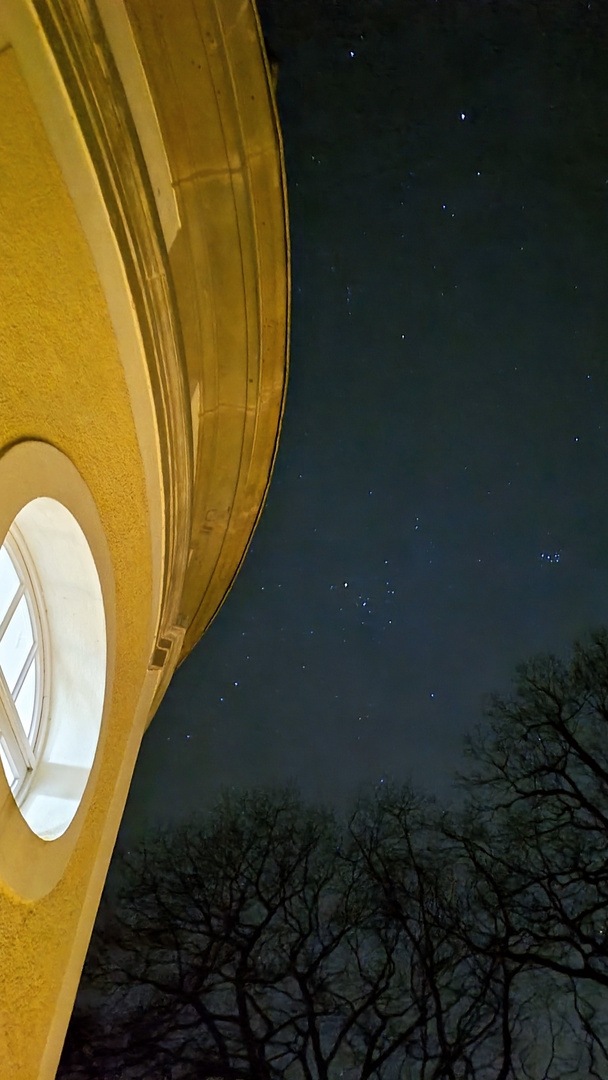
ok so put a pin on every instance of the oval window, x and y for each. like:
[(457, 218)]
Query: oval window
[(52, 664)]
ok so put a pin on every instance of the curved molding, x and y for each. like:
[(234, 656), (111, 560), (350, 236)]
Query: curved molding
[(81, 51), (205, 64)]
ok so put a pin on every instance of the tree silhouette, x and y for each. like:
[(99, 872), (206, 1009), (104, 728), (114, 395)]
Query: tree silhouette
[(533, 836), (257, 945), (409, 942)]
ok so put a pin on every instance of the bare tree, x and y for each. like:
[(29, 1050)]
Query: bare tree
[(533, 839), (271, 942), (248, 947), (411, 943), (479, 1017)]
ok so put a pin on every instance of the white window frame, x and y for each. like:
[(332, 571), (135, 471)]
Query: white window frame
[(20, 749)]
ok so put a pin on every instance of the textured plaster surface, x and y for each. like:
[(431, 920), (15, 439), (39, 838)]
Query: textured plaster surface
[(61, 381)]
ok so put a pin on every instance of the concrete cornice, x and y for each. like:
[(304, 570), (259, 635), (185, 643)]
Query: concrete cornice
[(211, 288), (81, 51), (206, 67)]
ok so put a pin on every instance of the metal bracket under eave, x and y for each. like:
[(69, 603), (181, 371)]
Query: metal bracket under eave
[(168, 645)]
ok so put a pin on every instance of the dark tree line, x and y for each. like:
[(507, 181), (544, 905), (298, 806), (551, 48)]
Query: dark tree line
[(409, 941)]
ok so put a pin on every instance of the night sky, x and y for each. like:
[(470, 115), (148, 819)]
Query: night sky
[(437, 511)]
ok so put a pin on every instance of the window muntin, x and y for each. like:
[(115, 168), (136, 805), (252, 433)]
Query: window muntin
[(9, 581), (22, 663)]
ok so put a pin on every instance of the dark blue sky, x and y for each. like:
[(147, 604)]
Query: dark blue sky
[(437, 511)]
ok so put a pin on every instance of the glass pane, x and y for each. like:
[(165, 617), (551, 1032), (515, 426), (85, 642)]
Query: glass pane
[(10, 776), (25, 699), (9, 581), (16, 643)]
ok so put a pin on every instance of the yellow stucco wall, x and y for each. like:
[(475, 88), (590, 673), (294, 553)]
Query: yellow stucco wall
[(61, 381)]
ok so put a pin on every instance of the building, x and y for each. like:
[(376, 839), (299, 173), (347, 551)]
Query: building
[(143, 346)]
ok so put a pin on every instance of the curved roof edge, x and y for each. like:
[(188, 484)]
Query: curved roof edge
[(176, 107), (211, 87)]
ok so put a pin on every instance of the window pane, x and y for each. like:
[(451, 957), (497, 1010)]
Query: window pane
[(9, 581), (10, 776), (25, 699), (16, 643)]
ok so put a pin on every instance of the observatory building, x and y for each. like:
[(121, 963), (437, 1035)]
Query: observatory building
[(143, 353)]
